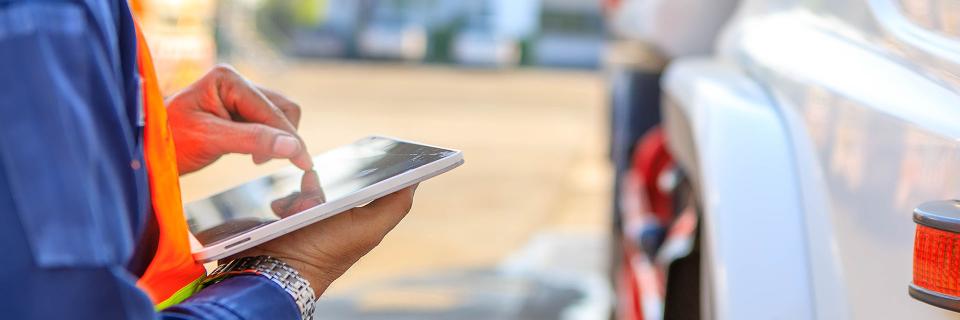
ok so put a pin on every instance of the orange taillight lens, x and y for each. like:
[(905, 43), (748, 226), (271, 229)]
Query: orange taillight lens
[(936, 254), (936, 260)]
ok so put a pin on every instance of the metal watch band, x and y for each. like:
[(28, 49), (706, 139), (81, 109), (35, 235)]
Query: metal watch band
[(274, 269)]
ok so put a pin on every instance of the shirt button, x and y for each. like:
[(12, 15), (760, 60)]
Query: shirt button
[(135, 164)]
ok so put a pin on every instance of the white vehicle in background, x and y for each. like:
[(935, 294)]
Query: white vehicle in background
[(553, 33), (477, 46), (482, 40), (393, 40), (807, 138), (567, 34), (396, 30)]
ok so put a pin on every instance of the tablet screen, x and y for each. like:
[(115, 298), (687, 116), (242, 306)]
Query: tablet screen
[(339, 172)]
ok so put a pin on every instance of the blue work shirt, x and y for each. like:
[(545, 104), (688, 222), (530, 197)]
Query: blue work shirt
[(73, 197)]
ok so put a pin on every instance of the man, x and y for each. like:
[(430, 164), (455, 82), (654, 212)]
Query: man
[(88, 197)]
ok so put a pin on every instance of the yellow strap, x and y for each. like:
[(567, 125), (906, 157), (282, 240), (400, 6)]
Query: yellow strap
[(180, 295)]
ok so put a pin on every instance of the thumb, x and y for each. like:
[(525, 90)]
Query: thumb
[(256, 139)]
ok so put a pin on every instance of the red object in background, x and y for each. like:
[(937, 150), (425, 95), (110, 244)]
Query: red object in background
[(629, 300), (651, 159), (610, 5), (645, 205), (936, 261)]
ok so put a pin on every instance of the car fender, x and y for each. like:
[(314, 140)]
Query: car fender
[(726, 133)]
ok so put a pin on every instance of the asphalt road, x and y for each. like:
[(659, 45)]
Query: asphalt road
[(516, 233)]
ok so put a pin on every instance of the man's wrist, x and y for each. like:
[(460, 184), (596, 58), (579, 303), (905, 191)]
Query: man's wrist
[(281, 273), (320, 277)]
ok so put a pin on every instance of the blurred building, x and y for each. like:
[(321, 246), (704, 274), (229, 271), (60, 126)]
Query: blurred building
[(315, 28), (185, 36), (493, 33)]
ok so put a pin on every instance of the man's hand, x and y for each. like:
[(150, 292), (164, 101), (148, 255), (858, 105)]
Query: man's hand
[(323, 251), (224, 113)]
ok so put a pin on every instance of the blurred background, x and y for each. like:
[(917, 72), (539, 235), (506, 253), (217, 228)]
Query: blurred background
[(625, 159), (519, 232)]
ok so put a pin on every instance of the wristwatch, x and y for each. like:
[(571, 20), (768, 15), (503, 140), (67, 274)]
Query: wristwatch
[(275, 270)]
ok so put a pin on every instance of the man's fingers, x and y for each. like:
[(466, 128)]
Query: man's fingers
[(310, 182), (289, 108), (387, 211), (256, 139), (260, 159), (241, 98), (302, 160)]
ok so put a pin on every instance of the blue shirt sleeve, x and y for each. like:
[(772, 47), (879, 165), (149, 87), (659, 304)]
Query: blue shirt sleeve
[(240, 297), (72, 202)]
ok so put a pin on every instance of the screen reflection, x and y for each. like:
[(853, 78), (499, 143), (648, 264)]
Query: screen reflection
[(337, 173)]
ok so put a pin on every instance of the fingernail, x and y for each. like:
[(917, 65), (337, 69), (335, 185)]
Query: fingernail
[(285, 146)]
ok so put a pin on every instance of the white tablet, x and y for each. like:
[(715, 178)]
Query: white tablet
[(349, 176)]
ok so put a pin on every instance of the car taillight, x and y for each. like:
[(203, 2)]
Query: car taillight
[(936, 254)]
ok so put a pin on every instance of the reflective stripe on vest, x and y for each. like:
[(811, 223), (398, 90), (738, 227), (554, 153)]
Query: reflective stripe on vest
[(172, 274)]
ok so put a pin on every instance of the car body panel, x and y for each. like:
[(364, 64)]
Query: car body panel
[(872, 112), (752, 225), (844, 112)]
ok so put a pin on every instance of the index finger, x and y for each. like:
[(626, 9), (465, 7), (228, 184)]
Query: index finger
[(310, 185), (242, 99)]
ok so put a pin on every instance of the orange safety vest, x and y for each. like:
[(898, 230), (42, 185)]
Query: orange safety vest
[(172, 275)]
